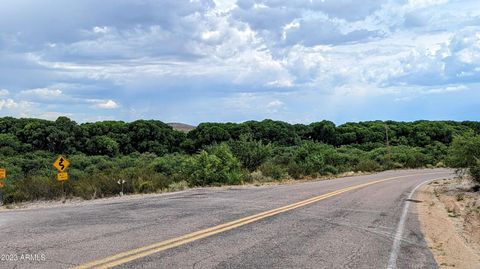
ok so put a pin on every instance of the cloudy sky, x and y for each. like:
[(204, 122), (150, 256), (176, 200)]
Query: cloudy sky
[(224, 60)]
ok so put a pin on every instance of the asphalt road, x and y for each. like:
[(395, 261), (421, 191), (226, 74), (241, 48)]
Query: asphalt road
[(373, 225)]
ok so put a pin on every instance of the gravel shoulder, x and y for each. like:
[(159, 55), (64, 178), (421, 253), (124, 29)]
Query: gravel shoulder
[(449, 214)]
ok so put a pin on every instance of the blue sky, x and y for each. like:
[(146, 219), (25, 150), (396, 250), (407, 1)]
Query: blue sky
[(224, 60)]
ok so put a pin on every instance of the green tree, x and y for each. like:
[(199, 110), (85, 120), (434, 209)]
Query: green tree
[(9, 144), (464, 150), (102, 145), (207, 134), (324, 132)]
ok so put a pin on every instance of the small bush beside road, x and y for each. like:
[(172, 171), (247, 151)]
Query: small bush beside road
[(465, 153)]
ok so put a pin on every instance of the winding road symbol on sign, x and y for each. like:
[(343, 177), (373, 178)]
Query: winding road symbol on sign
[(61, 164)]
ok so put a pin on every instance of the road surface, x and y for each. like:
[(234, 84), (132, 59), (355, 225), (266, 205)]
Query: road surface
[(355, 222)]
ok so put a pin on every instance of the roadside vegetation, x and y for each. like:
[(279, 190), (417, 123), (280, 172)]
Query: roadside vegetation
[(150, 156), (464, 154), (450, 212)]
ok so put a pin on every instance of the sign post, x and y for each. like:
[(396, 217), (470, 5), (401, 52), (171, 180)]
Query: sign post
[(3, 176), (62, 164), (121, 182)]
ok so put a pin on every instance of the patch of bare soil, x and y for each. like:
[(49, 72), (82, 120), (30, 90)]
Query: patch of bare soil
[(450, 219)]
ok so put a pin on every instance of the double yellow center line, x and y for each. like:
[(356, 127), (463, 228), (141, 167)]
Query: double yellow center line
[(131, 255)]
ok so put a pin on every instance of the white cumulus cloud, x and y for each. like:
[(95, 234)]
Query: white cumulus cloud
[(248, 55), (4, 92), (8, 103), (105, 104)]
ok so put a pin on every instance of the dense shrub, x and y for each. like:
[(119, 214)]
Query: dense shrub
[(171, 165), (214, 166), (273, 170), (367, 165), (250, 153), (475, 172), (150, 156), (329, 170), (464, 152)]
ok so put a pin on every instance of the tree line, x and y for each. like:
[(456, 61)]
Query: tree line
[(151, 156)]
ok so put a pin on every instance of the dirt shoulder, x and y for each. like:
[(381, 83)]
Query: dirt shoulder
[(450, 218)]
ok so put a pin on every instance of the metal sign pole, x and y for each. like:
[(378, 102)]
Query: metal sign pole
[(3, 176), (62, 165), (63, 192)]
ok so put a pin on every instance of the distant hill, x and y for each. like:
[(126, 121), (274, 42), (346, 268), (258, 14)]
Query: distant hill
[(181, 126)]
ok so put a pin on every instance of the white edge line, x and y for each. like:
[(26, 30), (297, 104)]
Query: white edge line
[(392, 261)]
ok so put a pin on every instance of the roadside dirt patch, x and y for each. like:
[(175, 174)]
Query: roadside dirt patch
[(450, 218)]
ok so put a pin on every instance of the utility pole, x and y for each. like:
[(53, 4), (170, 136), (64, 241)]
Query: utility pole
[(389, 150)]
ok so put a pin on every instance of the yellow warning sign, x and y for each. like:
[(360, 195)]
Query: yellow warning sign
[(3, 173), (63, 176), (61, 163)]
